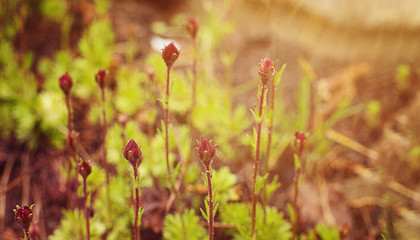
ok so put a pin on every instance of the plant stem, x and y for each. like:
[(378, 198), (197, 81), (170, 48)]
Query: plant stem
[(256, 161), (86, 209), (27, 234), (168, 167), (70, 151), (295, 197), (137, 206), (194, 71), (210, 193), (104, 133), (186, 163), (270, 135)]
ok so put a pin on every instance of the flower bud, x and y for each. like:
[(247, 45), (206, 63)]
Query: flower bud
[(85, 169), (133, 153), (24, 215), (66, 83), (100, 78), (206, 151), (170, 54), (72, 139), (266, 70), (300, 139), (192, 27), (123, 119)]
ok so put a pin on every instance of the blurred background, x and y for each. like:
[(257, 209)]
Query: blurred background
[(355, 63)]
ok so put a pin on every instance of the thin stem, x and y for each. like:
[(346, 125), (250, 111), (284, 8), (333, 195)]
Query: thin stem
[(28, 235), (137, 206), (256, 161), (70, 150), (194, 71), (104, 133), (168, 168), (210, 213), (86, 209), (295, 195), (186, 163), (270, 134)]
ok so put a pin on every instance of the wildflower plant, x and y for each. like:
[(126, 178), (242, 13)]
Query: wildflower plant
[(206, 151), (133, 154), (266, 71), (23, 216), (85, 169)]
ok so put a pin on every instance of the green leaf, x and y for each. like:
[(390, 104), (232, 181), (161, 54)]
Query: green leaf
[(279, 74), (260, 183), (291, 212)]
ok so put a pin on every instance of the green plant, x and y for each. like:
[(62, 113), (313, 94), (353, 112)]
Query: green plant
[(273, 227), (206, 152), (266, 72), (133, 154), (85, 170), (100, 79)]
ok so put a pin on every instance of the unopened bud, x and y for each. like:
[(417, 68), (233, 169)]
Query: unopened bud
[(24, 215), (192, 27), (100, 78), (85, 169), (170, 54), (266, 70), (66, 83), (206, 151), (133, 153)]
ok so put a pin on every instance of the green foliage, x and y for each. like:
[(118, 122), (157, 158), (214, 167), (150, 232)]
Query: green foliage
[(30, 114), (223, 183), (53, 9), (275, 226), (173, 227), (327, 233)]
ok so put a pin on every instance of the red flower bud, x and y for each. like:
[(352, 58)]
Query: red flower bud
[(66, 83), (100, 78), (300, 139), (123, 119), (192, 27), (170, 54), (72, 139), (266, 70), (24, 215), (85, 169), (133, 153), (206, 151)]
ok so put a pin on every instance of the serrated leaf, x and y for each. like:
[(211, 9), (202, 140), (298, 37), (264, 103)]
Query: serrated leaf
[(260, 183), (204, 214)]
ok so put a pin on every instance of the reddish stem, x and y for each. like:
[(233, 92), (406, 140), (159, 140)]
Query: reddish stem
[(210, 213), (256, 161), (104, 133), (270, 134), (194, 71), (70, 150), (168, 168), (86, 209), (137, 206)]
